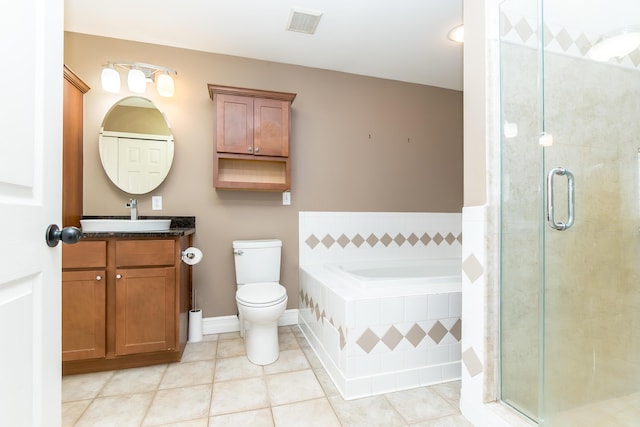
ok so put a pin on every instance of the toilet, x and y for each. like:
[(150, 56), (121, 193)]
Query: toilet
[(261, 299)]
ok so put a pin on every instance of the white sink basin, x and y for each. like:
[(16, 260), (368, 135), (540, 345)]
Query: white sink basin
[(124, 225)]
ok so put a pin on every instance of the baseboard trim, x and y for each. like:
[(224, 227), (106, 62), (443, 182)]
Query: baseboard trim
[(224, 324)]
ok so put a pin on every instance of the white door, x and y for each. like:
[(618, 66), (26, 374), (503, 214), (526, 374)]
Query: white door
[(142, 163), (31, 48)]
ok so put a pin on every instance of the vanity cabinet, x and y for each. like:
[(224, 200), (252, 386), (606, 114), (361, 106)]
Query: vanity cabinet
[(251, 129), (125, 302)]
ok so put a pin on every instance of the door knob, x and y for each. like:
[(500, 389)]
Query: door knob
[(68, 235)]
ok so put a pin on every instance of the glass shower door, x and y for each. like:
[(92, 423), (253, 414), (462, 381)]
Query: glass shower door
[(591, 311), (521, 203), (570, 281)]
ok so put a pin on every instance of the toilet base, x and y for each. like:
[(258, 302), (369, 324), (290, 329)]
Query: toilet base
[(261, 343)]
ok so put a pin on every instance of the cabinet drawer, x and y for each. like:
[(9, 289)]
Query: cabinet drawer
[(132, 253), (85, 254)]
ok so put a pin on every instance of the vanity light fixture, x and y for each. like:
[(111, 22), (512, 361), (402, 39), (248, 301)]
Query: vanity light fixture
[(138, 75)]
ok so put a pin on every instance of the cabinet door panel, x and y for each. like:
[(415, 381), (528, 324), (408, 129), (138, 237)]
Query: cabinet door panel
[(271, 127), (145, 310), (234, 121), (83, 314)]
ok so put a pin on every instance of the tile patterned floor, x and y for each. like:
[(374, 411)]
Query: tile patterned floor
[(215, 385)]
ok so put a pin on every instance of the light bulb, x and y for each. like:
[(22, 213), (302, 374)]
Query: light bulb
[(165, 85), (110, 79), (137, 81)]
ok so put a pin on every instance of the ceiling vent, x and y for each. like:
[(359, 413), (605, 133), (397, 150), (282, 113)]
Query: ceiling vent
[(304, 20)]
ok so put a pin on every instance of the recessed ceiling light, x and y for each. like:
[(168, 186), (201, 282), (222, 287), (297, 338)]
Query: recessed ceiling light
[(304, 20), (456, 34)]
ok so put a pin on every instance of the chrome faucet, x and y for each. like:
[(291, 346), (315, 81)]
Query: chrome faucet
[(133, 205)]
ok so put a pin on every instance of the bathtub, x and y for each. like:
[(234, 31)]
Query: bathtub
[(441, 275), (383, 326)]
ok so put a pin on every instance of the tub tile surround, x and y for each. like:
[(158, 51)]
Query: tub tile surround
[(379, 343), (353, 236)]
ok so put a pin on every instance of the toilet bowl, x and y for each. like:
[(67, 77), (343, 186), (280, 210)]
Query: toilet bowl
[(260, 305), (260, 298)]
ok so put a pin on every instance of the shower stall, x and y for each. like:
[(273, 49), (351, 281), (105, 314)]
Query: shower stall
[(570, 211)]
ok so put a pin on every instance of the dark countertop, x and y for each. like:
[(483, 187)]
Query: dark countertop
[(180, 226)]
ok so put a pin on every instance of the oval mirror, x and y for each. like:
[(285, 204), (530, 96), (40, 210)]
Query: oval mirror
[(136, 145)]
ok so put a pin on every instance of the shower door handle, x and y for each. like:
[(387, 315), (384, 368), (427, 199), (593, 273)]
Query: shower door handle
[(559, 225)]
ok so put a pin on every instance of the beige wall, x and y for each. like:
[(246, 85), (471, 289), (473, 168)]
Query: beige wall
[(476, 98), (358, 144)]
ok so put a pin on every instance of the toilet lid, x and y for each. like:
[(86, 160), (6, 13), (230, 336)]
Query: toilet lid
[(261, 293)]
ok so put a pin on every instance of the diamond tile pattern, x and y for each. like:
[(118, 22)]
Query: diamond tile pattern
[(386, 239), (372, 240), (471, 361), (557, 39), (399, 239), (438, 238), (472, 268), (524, 29), (456, 330), (368, 340), (312, 241), (328, 240), (437, 332), (391, 338), (357, 240), (343, 240), (415, 335)]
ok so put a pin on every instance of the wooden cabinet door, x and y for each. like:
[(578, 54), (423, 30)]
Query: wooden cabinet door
[(145, 310), (83, 314), (234, 124), (72, 128), (271, 127)]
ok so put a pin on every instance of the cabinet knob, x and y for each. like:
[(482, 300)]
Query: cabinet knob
[(250, 149), (118, 276), (257, 149), (98, 278)]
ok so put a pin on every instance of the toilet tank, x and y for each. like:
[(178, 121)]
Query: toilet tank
[(257, 260)]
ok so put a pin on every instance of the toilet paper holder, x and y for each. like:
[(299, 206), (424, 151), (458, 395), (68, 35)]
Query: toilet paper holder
[(191, 256)]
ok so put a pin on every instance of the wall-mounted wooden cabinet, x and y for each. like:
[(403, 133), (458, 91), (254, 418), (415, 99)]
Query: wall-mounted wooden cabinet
[(125, 303), (251, 129)]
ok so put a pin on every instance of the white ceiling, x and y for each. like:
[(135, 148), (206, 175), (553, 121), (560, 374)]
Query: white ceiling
[(403, 40)]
